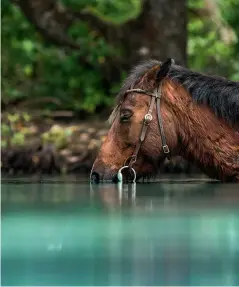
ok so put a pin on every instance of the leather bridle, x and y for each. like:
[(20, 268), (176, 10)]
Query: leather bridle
[(155, 97)]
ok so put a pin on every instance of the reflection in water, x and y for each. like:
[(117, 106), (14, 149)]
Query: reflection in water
[(113, 195), (60, 193), (165, 195), (144, 234)]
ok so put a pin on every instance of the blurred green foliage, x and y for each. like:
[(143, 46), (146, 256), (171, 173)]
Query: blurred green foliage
[(113, 12), (32, 68), (57, 136), (213, 42), (14, 129)]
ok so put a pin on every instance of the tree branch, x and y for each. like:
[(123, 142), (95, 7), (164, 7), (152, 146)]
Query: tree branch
[(50, 18)]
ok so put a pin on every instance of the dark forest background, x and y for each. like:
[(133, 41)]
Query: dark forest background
[(74, 54), (67, 59)]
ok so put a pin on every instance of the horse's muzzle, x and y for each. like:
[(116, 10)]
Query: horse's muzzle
[(96, 177)]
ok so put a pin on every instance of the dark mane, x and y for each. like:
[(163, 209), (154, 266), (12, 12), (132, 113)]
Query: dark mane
[(220, 94), (135, 75)]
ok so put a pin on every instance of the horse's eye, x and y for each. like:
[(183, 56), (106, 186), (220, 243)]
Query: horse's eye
[(125, 115)]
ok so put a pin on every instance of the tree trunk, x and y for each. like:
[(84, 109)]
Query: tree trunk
[(159, 32)]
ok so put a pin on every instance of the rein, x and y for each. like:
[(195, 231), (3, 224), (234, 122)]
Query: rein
[(155, 97)]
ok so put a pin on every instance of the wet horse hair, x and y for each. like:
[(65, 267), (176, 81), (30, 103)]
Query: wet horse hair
[(199, 114), (220, 94)]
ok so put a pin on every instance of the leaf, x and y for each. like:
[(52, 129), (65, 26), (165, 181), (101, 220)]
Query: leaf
[(18, 139), (13, 118), (28, 70), (28, 46), (26, 117)]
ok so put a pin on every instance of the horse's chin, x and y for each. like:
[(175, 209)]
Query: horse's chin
[(109, 178), (140, 177), (146, 177)]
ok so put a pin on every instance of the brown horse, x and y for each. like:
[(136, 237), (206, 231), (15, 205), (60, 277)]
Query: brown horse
[(166, 110)]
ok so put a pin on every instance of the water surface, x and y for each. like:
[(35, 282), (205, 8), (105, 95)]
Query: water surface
[(58, 233)]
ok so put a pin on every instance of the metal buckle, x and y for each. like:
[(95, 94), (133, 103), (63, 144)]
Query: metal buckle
[(166, 149), (148, 118)]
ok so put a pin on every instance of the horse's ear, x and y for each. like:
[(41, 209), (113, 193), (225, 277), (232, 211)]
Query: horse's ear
[(164, 68)]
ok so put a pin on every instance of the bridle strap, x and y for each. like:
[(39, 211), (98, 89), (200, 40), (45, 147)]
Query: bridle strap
[(147, 120), (156, 96), (160, 122)]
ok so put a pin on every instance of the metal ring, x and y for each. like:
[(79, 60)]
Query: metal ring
[(123, 167)]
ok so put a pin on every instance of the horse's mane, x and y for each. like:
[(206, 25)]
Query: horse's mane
[(220, 94)]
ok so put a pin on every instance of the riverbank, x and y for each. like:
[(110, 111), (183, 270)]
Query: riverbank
[(51, 146)]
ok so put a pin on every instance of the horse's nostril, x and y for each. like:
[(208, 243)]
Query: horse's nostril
[(95, 177), (115, 178)]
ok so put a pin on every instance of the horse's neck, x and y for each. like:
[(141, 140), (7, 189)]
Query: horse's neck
[(209, 143)]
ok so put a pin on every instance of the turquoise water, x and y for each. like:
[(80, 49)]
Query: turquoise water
[(162, 234)]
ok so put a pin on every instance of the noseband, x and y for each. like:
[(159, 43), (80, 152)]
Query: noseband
[(155, 97)]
